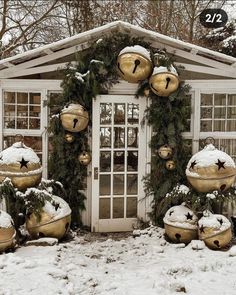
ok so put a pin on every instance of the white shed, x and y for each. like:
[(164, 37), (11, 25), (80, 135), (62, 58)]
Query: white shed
[(28, 79)]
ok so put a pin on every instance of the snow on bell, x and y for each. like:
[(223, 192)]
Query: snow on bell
[(180, 224), (211, 169), (214, 230), (134, 64), (74, 117), (53, 222), (7, 232), (21, 164), (164, 81)]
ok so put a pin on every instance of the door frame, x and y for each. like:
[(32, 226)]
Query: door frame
[(144, 163)]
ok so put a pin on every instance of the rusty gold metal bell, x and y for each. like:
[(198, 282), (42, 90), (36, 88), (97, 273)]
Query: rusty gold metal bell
[(180, 224), (180, 235), (211, 169), (133, 66), (85, 158), (215, 240), (21, 164), (170, 165), (74, 118), (69, 137), (47, 227), (165, 152), (164, 82), (7, 235)]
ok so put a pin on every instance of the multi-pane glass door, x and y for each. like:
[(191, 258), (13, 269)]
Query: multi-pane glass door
[(118, 147)]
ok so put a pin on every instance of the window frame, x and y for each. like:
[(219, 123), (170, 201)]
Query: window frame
[(40, 86), (208, 87)]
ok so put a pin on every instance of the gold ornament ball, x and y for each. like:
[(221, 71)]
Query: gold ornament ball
[(180, 235), (215, 238), (133, 66), (74, 118), (165, 152), (69, 137), (170, 165), (180, 224), (164, 83), (85, 158), (7, 234), (48, 225), (211, 169), (23, 167)]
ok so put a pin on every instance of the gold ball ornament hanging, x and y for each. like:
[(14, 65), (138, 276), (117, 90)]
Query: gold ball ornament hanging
[(49, 224), (69, 137), (170, 165), (165, 152), (211, 169), (7, 232), (74, 118), (214, 230), (85, 158), (180, 224), (163, 82), (21, 164), (134, 64)]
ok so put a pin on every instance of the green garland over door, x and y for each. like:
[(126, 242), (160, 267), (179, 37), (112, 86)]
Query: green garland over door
[(95, 73)]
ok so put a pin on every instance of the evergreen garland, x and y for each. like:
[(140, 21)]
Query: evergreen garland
[(168, 118), (199, 202), (94, 74)]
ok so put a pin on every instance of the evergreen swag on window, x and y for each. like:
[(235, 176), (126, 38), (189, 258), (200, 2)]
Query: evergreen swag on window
[(94, 73)]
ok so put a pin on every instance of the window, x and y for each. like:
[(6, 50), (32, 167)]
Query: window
[(22, 110), (218, 112)]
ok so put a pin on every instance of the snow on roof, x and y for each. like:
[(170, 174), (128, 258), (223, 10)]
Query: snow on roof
[(96, 33)]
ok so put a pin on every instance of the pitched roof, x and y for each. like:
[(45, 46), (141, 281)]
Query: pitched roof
[(82, 40)]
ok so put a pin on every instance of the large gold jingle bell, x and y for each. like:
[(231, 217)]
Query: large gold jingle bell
[(180, 235), (133, 67), (163, 84), (22, 178), (85, 158), (215, 241), (210, 178), (74, 118), (47, 227), (165, 152), (7, 238)]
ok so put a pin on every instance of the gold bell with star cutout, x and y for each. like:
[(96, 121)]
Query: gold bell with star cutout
[(21, 164), (211, 169)]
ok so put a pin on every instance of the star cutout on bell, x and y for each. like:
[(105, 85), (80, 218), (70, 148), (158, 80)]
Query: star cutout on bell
[(23, 163), (220, 164), (171, 212), (220, 221), (201, 229), (189, 216), (193, 164)]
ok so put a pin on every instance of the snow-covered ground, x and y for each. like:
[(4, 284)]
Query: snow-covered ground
[(144, 265)]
